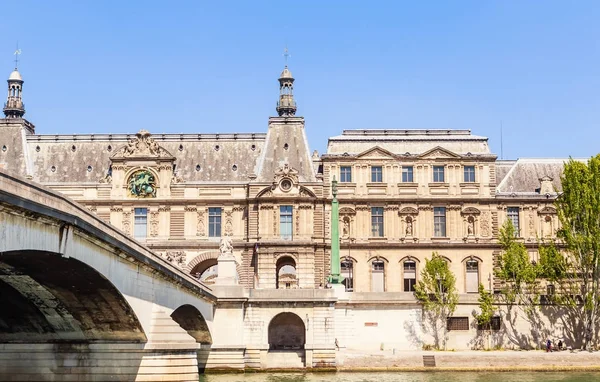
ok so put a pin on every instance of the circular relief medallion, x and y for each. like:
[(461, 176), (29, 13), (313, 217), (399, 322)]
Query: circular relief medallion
[(285, 185), (142, 184)]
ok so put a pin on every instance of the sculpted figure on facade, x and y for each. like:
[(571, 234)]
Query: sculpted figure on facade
[(142, 145), (345, 227), (226, 246), (409, 226), (142, 184), (175, 257), (470, 226)]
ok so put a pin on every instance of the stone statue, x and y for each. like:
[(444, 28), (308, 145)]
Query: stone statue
[(470, 226), (226, 247), (409, 227), (346, 227)]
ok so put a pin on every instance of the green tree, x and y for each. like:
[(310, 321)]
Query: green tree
[(486, 306), (436, 290), (573, 262), (515, 270)]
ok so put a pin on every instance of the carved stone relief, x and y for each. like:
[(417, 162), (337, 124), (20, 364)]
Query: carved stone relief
[(228, 223), (127, 222), (175, 257), (200, 226), (485, 224), (154, 223)]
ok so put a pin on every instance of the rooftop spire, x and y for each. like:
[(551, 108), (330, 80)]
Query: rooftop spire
[(14, 107), (286, 107)]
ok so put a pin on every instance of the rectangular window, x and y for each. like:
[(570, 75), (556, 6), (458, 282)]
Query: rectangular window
[(214, 222), (346, 174), (347, 270), (285, 222), (140, 223), (513, 216), (438, 174), (494, 324), (469, 174), (439, 221), (457, 323), (376, 174), (410, 276), (407, 174), (377, 221)]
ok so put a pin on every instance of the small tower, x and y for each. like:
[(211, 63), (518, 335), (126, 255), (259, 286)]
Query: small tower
[(14, 107), (286, 107)]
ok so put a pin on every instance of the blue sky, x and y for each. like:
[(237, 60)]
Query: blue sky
[(205, 67)]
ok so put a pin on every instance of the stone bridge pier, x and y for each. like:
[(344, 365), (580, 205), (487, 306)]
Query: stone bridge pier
[(80, 301)]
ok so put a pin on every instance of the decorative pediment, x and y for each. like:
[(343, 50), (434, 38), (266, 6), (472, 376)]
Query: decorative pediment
[(347, 211), (439, 152), (285, 172), (142, 146), (408, 211), (376, 153), (470, 211), (547, 211)]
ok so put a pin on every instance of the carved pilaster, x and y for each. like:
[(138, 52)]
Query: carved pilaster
[(228, 223), (200, 224), (154, 223), (127, 222)]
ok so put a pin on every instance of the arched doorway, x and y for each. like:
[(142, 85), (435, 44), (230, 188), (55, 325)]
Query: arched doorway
[(286, 273), (207, 271), (287, 332)]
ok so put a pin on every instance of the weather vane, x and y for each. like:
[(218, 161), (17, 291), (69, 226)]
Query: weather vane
[(17, 53), (286, 54)]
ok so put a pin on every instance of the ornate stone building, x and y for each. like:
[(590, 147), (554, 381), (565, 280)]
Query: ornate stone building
[(403, 194)]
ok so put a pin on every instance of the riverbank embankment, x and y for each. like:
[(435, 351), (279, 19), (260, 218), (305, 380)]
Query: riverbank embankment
[(509, 360)]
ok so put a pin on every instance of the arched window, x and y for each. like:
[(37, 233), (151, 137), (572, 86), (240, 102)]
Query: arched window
[(286, 277), (409, 275), (472, 276), (377, 276), (347, 272)]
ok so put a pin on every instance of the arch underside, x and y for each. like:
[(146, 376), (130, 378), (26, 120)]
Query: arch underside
[(45, 297), (191, 320), (286, 332)]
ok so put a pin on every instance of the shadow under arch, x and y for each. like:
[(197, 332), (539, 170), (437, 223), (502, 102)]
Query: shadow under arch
[(287, 331), (46, 297), (191, 320)]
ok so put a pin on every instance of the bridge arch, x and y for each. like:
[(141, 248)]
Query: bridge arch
[(287, 331), (191, 320), (46, 297)]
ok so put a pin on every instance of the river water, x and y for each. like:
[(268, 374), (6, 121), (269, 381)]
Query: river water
[(405, 377)]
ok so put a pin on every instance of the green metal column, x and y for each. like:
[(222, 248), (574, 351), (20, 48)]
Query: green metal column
[(335, 277)]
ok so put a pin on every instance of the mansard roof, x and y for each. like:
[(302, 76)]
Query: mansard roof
[(413, 142), (65, 158), (523, 175)]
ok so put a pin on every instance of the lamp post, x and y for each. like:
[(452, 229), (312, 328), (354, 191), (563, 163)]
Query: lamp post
[(335, 277)]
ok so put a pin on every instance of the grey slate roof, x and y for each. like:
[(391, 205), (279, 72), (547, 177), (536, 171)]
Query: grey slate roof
[(408, 141), (524, 175), (216, 165)]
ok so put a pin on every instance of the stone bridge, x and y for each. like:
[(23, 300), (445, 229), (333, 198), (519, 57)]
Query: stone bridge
[(81, 301)]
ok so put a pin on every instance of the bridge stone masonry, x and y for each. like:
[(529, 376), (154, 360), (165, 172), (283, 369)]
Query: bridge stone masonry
[(83, 302)]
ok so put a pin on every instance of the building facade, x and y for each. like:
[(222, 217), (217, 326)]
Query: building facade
[(403, 194)]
